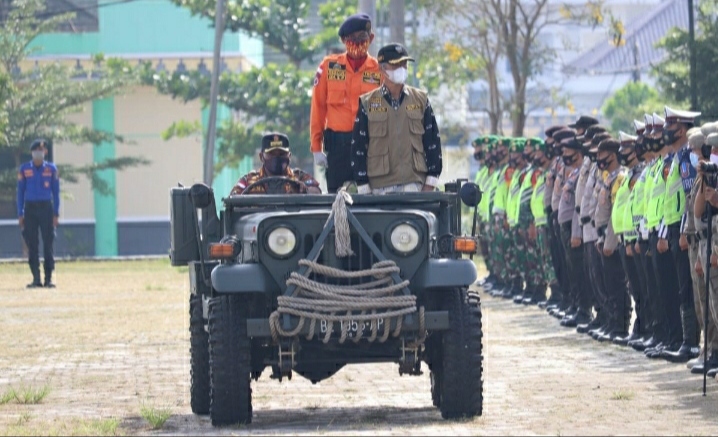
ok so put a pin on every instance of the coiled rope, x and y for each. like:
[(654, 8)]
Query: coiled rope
[(367, 302)]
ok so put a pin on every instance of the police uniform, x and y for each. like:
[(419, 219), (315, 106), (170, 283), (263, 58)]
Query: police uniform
[(338, 83), (395, 143), (552, 149), (271, 142), (38, 202), (560, 294)]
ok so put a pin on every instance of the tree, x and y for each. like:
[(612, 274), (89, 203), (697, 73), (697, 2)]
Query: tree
[(38, 102), (673, 74), (495, 31), (275, 97), (630, 103)]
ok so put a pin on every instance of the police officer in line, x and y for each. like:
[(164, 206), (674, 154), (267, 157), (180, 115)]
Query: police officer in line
[(679, 181), (276, 162), (396, 145), (38, 210), (339, 81), (707, 194), (695, 230)]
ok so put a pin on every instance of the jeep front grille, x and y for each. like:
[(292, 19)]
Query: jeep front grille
[(362, 259)]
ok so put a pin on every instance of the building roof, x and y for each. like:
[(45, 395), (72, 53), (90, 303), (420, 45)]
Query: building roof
[(605, 58)]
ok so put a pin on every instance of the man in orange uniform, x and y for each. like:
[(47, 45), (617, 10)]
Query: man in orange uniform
[(339, 82)]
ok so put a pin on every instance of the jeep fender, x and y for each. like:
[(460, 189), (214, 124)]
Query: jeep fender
[(444, 273), (243, 278)]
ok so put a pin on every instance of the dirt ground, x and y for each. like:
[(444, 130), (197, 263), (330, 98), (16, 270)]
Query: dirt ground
[(113, 338)]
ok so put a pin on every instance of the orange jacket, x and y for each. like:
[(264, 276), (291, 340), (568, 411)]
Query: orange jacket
[(335, 99)]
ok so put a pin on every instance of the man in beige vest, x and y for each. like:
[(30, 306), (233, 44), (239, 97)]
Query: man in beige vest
[(395, 143)]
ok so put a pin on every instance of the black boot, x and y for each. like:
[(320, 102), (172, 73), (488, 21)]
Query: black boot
[(712, 364), (36, 282), (48, 279)]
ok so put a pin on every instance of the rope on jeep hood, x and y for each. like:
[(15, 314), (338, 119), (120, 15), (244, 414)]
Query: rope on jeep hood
[(347, 304), (342, 237)]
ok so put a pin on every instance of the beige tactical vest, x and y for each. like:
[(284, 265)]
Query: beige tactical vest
[(396, 153)]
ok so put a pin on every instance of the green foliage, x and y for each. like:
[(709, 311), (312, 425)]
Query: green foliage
[(275, 97), (37, 102), (673, 73), (630, 103), (25, 395), (156, 417)]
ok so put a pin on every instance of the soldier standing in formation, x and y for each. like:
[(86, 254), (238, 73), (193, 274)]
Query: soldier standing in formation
[(594, 229)]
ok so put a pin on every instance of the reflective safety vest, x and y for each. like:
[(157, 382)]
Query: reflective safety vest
[(492, 182), (655, 191), (674, 202), (621, 213), (537, 197), (502, 190), (513, 199), (482, 177), (523, 201), (638, 197)]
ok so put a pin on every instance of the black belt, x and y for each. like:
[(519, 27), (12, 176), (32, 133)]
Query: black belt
[(37, 202)]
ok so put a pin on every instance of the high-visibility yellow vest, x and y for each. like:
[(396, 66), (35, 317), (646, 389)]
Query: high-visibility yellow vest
[(537, 199), (502, 191), (674, 201), (513, 199), (654, 201), (622, 221)]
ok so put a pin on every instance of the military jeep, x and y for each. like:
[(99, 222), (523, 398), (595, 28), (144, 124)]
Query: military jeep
[(306, 284)]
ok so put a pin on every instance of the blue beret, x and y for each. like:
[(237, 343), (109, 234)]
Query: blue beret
[(355, 23), (40, 142)]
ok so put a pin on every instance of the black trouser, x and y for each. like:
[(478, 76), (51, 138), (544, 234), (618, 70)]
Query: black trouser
[(618, 301), (38, 217), (684, 299), (338, 147), (577, 281), (668, 316), (634, 286), (650, 318), (595, 271), (558, 259)]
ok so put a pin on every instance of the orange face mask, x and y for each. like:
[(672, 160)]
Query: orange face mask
[(357, 50)]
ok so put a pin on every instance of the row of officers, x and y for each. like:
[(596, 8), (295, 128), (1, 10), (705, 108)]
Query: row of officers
[(610, 235)]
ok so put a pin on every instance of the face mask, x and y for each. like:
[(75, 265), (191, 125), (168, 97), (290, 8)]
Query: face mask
[(603, 163), (625, 159), (670, 136), (569, 160), (357, 50), (276, 165), (479, 155), (657, 144), (694, 160), (539, 162), (398, 76), (38, 155), (592, 156), (706, 151)]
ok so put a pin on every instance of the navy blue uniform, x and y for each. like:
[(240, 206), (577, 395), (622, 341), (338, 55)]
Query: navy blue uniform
[(38, 201)]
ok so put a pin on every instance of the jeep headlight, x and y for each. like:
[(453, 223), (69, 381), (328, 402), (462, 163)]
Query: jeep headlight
[(404, 238), (281, 241)]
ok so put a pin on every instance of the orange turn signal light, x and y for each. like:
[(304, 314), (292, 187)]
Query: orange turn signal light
[(221, 250), (465, 245)]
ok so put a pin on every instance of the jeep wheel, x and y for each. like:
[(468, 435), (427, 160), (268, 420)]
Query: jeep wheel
[(229, 362), (199, 358), (461, 364)]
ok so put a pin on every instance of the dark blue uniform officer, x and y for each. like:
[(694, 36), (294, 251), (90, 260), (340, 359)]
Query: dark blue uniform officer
[(38, 209)]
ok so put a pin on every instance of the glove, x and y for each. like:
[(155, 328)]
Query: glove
[(585, 220), (362, 189), (578, 209), (320, 159)]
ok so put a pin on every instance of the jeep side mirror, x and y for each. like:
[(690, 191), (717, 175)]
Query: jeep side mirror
[(470, 194)]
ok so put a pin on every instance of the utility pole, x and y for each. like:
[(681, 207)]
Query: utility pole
[(396, 21), (208, 175), (369, 7), (692, 54), (414, 40), (636, 68)]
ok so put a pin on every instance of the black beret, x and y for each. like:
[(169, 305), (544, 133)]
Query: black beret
[(38, 143), (584, 121), (593, 130), (596, 140), (563, 134), (552, 130), (571, 143), (355, 23), (609, 145), (274, 141)]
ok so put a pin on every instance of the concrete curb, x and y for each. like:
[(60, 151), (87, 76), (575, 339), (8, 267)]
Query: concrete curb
[(89, 259)]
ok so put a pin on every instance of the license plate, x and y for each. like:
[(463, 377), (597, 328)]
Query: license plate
[(353, 327)]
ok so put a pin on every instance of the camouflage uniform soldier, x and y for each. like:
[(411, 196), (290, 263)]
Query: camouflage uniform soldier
[(515, 255), (498, 210), (482, 153)]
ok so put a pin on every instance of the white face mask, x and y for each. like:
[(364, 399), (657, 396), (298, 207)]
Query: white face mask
[(398, 76), (38, 155)]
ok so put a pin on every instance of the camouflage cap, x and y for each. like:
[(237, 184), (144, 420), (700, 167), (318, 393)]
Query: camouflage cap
[(537, 143), (517, 145)]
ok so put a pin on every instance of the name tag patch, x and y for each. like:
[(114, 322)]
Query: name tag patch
[(413, 107), (370, 77), (336, 71), (376, 106)]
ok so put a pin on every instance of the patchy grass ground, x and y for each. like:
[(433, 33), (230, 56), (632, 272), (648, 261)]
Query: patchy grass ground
[(106, 353)]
